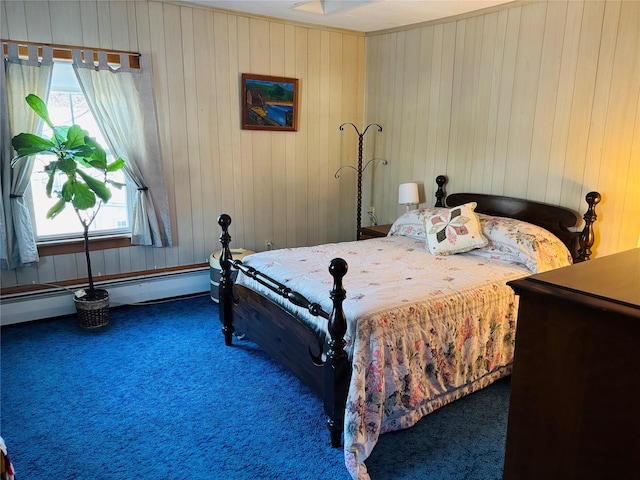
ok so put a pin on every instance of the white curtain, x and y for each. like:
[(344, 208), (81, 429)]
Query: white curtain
[(121, 99), (21, 77)]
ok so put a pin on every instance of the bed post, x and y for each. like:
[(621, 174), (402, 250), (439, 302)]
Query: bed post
[(336, 367), (440, 181), (587, 236), (225, 288)]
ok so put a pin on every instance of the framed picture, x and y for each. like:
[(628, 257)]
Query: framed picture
[(269, 103)]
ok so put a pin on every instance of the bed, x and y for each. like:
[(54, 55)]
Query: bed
[(419, 328)]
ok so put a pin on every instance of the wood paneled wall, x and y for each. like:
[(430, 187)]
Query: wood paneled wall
[(540, 101), (277, 186)]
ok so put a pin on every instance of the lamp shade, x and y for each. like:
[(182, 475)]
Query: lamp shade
[(408, 194)]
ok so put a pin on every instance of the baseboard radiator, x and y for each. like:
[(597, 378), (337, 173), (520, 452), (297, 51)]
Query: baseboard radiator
[(54, 302)]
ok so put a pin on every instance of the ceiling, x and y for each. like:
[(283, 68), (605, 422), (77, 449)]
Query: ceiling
[(359, 15)]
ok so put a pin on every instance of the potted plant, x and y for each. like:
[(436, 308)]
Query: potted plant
[(82, 165)]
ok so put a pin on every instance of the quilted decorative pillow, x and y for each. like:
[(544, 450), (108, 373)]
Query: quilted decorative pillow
[(454, 230), (410, 224), (521, 242)]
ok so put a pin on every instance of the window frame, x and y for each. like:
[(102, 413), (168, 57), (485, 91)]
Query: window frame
[(154, 227), (73, 242)]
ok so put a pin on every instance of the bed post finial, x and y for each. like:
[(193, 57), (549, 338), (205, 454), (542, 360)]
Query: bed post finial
[(441, 180), (336, 367), (587, 236), (225, 288)]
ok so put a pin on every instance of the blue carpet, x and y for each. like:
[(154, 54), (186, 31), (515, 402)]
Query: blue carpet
[(157, 395)]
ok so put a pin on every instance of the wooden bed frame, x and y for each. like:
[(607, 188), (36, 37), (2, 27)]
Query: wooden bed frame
[(298, 347)]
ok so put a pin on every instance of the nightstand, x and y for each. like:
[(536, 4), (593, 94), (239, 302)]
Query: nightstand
[(374, 231)]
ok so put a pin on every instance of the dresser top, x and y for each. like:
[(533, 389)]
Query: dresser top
[(614, 278)]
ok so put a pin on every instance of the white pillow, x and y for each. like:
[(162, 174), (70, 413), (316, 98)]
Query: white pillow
[(521, 242), (454, 230), (410, 224)]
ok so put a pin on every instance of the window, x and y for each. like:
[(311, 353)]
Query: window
[(67, 105), (122, 83)]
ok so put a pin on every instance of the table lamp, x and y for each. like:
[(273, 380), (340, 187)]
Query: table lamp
[(408, 195)]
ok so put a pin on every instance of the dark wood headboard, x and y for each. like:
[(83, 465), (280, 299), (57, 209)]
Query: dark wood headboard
[(556, 219)]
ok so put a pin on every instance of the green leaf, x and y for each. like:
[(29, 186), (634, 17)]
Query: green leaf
[(97, 163), (81, 151), (27, 144), (97, 186), (51, 171), (56, 209), (68, 190), (83, 198), (60, 135), (38, 106), (29, 140), (68, 166), (118, 185), (99, 157), (75, 137), (116, 165), (83, 162)]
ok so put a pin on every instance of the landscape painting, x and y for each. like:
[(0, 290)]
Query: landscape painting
[(269, 103)]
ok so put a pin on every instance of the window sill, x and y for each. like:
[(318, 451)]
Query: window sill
[(62, 247)]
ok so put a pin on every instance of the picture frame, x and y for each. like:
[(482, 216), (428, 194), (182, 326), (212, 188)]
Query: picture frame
[(269, 103)]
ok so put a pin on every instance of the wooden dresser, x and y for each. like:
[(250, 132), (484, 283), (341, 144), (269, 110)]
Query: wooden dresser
[(575, 390)]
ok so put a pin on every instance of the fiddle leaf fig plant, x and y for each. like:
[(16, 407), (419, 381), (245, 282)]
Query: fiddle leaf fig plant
[(82, 165)]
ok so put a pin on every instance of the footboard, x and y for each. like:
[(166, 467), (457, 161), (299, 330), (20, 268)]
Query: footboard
[(279, 333)]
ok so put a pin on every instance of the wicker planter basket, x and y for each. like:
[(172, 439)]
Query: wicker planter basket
[(93, 313)]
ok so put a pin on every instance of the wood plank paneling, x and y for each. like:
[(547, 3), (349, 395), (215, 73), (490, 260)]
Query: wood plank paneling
[(484, 70), (179, 183), (261, 141), (15, 21), (206, 125), (494, 104), (161, 67), (235, 94), (433, 38), (232, 123), (507, 76), (38, 21), (411, 121), (289, 214), (526, 82), (595, 161), (132, 24), (631, 206), (621, 127), (89, 24), (547, 88), (64, 14), (303, 37), (221, 110), (193, 154), (277, 58), (119, 23), (104, 24), (4, 25), (248, 205), (582, 105), (537, 100), (274, 186), (547, 94)]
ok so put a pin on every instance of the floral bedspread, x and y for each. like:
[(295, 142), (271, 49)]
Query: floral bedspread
[(423, 330)]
